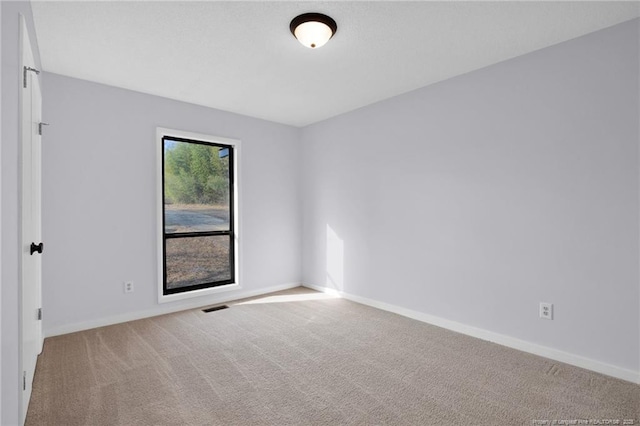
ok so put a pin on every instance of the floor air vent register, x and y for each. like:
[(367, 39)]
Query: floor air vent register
[(215, 308)]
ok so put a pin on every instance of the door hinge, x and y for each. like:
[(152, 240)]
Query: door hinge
[(40, 127), (24, 75), (39, 314), (24, 380)]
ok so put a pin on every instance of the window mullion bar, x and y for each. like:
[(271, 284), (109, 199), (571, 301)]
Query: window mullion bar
[(197, 234)]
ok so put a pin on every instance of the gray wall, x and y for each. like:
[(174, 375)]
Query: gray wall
[(477, 198), (99, 211), (10, 201)]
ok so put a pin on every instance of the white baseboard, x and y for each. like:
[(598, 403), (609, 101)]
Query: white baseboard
[(501, 339), (162, 309)]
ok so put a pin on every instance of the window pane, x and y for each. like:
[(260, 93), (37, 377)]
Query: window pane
[(195, 218), (197, 260), (196, 187)]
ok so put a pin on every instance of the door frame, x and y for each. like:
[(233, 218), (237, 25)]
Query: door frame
[(27, 130)]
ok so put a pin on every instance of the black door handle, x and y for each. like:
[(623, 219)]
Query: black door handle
[(36, 248)]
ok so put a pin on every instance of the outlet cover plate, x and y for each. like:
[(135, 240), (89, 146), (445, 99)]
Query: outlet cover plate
[(546, 310)]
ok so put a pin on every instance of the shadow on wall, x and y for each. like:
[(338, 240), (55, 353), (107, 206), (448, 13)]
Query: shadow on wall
[(335, 261)]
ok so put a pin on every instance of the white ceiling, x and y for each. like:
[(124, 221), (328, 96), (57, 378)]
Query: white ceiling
[(240, 56)]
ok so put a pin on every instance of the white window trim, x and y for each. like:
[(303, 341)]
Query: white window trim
[(237, 216)]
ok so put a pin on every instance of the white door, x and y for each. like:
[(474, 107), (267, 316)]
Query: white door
[(31, 260)]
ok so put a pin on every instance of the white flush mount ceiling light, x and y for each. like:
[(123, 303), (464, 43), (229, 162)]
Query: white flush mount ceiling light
[(313, 29)]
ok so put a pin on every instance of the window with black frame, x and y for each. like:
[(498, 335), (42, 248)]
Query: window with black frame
[(198, 217)]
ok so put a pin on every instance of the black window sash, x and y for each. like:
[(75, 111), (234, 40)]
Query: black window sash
[(230, 232)]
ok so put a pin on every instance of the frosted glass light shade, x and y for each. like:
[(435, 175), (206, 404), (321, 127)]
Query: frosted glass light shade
[(313, 34), (313, 29)]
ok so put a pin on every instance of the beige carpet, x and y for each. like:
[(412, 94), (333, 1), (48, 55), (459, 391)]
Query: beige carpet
[(324, 361)]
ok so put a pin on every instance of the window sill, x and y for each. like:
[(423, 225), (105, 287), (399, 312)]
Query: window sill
[(197, 293)]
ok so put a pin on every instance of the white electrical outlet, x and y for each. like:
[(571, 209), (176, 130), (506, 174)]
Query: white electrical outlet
[(546, 310), (128, 287)]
